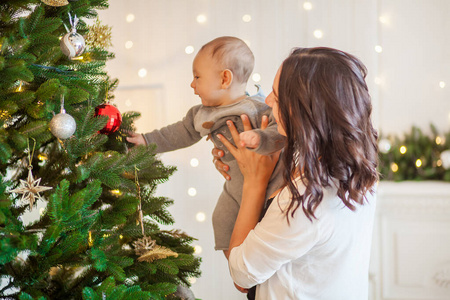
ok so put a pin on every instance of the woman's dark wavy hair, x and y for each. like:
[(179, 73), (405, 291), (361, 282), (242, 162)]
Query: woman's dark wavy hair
[(325, 109)]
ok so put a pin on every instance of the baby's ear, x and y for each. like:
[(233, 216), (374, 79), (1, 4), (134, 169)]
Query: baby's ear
[(227, 78)]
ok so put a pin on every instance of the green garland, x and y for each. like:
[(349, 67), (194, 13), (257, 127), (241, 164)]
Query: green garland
[(416, 156)]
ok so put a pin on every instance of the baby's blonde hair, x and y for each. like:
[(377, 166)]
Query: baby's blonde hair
[(233, 54)]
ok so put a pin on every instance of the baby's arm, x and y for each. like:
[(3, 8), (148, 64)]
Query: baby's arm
[(172, 137)]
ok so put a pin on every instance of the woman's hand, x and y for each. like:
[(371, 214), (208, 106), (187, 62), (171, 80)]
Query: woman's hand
[(217, 161), (256, 168), (218, 154)]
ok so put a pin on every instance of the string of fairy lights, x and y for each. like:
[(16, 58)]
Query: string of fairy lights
[(387, 145)]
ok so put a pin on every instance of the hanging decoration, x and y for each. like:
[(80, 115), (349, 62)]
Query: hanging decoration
[(56, 2), (145, 247), (115, 118), (30, 188), (99, 36), (158, 252), (72, 44), (63, 125), (445, 159)]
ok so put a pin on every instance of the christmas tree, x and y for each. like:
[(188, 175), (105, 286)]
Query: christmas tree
[(62, 143)]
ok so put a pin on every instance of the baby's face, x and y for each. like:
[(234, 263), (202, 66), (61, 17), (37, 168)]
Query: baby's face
[(207, 82)]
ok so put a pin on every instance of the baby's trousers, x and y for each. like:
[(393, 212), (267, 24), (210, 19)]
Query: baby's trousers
[(227, 207)]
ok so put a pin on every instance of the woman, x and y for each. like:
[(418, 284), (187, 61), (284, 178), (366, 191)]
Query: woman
[(314, 240)]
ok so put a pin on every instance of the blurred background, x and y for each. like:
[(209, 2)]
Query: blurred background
[(403, 43)]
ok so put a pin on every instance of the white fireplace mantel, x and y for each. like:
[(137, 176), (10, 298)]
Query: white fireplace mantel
[(411, 245)]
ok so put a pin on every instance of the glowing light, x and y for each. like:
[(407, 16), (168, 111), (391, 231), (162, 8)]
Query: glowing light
[(77, 58), (246, 18), (128, 44), (378, 49), (307, 5), (120, 236), (90, 239), (403, 149), (116, 192), (377, 80), (318, 34), (19, 89), (192, 192), (383, 19), (192, 280), (442, 84), (42, 156), (439, 163), (256, 77), (128, 102), (189, 49), (130, 18), (3, 115), (41, 211), (201, 19), (438, 140), (194, 162), (198, 249), (200, 216), (418, 163), (142, 72), (394, 167), (384, 146)]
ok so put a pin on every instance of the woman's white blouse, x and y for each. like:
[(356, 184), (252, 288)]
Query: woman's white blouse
[(327, 258)]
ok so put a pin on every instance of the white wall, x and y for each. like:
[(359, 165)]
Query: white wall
[(404, 78)]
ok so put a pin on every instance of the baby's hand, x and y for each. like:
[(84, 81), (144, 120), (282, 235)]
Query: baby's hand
[(136, 138), (249, 139)]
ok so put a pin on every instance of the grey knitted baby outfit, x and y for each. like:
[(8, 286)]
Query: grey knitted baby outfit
[(201, 121)]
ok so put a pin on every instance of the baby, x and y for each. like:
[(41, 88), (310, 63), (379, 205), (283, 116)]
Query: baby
[(221, 70)]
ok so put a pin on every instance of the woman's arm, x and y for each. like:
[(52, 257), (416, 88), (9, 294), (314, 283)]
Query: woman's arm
[(256, 170)]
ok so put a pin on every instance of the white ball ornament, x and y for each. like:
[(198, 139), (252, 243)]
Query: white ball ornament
[(72, 44), (384, 146), (445, 158), (63, 126)]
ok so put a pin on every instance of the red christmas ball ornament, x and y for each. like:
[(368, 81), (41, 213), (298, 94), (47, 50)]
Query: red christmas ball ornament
[(115, 118)]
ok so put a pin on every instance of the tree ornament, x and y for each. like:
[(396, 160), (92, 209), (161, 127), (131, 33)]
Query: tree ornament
[(72, 44), (63, 125), (56, 2), (30, 188), (143, 245), (384, 145), (445, 158), (158, 252), (99, 36), (115, 118)]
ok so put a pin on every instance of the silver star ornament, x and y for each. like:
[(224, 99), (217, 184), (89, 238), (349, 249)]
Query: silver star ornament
[(30, 189)]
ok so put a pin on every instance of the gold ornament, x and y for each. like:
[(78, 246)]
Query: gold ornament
[(30, 188), (158, 252), (99, 36), (56, 2), (143, 245)]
